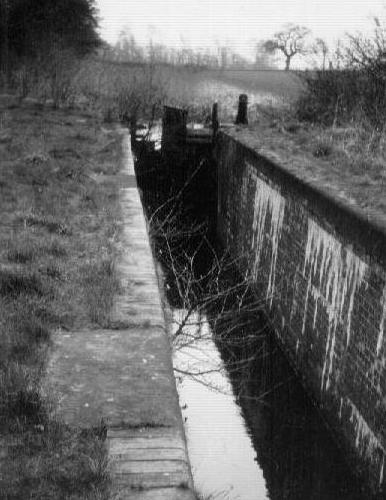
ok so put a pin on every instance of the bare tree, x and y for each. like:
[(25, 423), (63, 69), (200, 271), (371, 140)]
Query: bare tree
[(262, 57), (290, 41), (368, 52), (224, 57), (338, 55), (127, 49), (321, 47)]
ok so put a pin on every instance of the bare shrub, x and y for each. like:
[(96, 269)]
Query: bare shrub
[(122, 91), (354, 93), (331, 97)]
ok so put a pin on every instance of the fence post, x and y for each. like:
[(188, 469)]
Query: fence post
[(242, 113)]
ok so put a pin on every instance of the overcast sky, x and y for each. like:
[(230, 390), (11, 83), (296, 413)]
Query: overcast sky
[(202, 22)]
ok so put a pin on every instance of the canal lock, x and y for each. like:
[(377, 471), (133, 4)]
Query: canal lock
[(252, 431)]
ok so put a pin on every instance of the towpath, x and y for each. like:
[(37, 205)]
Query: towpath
[(124, 375)]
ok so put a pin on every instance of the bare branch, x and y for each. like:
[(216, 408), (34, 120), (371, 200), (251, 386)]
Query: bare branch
[(290, 41)]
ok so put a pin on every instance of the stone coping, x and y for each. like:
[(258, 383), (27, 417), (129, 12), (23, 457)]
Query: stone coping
[(366, 231)]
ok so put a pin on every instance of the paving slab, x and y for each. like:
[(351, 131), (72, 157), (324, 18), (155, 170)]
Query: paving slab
[(158, 494), (120, 376), (124, 375), (151, 481)]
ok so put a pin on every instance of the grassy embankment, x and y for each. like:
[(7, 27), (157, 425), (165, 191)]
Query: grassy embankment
[(338, 147), (346, 156), (57, 231)]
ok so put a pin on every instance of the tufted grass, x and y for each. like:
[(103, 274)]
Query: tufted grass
[(57, 228)]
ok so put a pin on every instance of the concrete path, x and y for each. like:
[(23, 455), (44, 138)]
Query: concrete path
[(125, 376)]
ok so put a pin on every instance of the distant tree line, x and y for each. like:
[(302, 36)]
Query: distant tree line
[(292, 40), (222, 56)]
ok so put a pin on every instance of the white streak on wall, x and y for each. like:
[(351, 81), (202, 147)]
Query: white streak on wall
[(355, 271), (293, 306), (306, 304), (315, 312), (268, 203), (363, 431), (339, 274), (328, 357), (366, 441), (241, 220), (382, 322)]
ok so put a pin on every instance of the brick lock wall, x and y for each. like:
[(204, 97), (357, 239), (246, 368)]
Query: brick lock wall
[(320, 268)]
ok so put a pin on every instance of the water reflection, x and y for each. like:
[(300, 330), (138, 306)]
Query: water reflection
[(220, 449), (252, 432)]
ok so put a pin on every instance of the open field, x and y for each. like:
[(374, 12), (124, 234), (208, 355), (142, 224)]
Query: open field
[(282, 84), (57, 231), (143, 89), (117, 90), (198, 90)]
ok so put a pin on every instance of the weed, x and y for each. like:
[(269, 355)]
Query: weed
[(100, 285), (35, 159), (151, 424), (35, 331), (20, 400), (21, 255), (322, 149), (81, 137), (292, 127), (61, 153), (15, 284), (109, 114), (48, 222), (99, 431), (53, 271), (46, 314), (56, 249), (53, 460)]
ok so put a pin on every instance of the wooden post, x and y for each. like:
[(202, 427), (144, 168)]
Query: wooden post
[(215, 122), (174, 122), (242, 113)]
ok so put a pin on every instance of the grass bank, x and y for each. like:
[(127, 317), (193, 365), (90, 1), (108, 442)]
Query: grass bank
[(58, 226), (348, 160)]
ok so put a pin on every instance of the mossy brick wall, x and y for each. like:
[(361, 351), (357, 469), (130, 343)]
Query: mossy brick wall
[(320, 269)]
